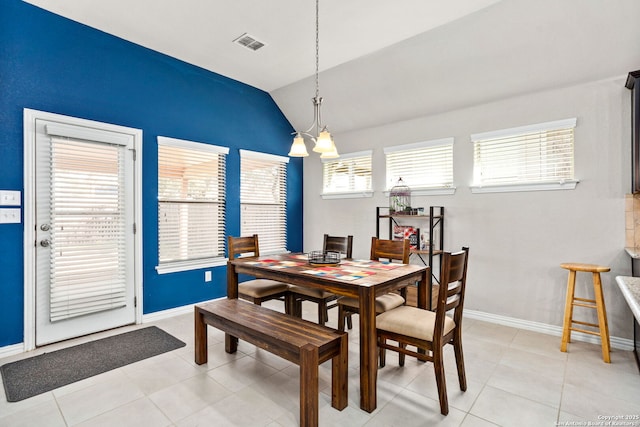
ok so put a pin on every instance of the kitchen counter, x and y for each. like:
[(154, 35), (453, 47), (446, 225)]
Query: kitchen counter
[(630, 288), (633, 252)]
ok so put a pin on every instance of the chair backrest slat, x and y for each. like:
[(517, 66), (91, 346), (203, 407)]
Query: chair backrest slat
[(344, 245), (453, 278), (390, 249), (454, 289), (452, 303), (243, 245)]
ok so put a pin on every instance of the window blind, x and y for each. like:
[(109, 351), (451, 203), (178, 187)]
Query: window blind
[(191, 200), (263, 199), (349, 174), (531, 154), (88, 228), (423, 165)]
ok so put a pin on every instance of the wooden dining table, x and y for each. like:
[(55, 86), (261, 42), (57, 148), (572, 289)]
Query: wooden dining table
[(362, 279)]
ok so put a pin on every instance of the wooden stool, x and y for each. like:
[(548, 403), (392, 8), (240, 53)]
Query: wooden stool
[(597, 303)]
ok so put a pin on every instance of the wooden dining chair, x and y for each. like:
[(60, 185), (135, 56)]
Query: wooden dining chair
[(398, 250), (324, 299), (257, 290), (430, 331)]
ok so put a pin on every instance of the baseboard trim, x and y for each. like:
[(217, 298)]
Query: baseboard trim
[(11, 350), (172, 312), (543, 328)]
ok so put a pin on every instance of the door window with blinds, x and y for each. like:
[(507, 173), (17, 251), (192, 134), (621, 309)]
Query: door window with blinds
[(263, 199), (346, 177), (527, 158), (191, 204), (88, 233), (426, 167)]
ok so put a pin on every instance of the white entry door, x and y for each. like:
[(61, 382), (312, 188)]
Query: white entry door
[(84, 230)]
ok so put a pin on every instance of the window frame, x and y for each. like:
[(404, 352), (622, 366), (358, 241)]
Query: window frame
[(559, 184), (350, 194), (420, 190), (193, 264)]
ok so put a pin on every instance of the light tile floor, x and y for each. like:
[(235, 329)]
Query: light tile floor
[(515, 378)]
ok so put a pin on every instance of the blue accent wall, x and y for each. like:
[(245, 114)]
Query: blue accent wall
[(56, 65)]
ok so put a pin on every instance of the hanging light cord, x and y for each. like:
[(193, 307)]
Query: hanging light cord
[(322, 138), (317, 47), (317, 101)]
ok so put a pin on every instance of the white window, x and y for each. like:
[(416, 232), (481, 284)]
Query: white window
[(348, 176), (426, 167), (191, 204), (534, 157), (263, 199)]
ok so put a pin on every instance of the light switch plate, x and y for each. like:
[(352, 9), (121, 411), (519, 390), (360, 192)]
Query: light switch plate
[(9, 198), (9, 216)]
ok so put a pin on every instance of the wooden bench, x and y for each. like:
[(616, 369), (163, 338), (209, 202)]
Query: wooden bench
[(299, 341)]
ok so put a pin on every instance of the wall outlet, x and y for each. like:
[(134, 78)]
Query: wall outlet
[(9, 216), (207, 276), (9, 198)]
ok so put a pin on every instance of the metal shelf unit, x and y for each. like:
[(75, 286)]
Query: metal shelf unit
[(435, 233)]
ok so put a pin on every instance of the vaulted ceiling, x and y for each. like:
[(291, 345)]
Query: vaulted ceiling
[(382, 61)]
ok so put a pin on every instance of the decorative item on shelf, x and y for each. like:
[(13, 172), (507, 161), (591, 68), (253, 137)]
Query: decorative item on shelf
[(400, 199), (324, 258), (424, 243), (321, 137), (401, 232), (417, 211)]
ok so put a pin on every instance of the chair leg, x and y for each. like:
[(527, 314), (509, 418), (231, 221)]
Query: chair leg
[(322, 311), (457, 349), (296, 306), (290, 305), (438, 366), (349, 321), (382, 353), (341, 318), (401, 355)]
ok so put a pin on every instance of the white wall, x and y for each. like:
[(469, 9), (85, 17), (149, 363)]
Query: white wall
[(517, 240)]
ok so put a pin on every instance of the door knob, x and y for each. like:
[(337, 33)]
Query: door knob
[(45, 243)]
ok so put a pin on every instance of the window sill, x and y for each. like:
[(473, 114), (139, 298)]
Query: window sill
[(542, 186), (439, 191), (174, 267), (354, 195)]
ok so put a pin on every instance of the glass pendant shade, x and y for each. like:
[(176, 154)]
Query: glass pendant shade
[(333, 154), (298, 149), (323, 142)]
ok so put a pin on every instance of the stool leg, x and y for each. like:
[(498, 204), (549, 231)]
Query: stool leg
[(602, 318), (568, 311)]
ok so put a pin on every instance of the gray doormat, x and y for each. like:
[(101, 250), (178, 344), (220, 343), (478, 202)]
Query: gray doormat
[(29, 377)]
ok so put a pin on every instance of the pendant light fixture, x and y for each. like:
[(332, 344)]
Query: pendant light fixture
[(321, 137)]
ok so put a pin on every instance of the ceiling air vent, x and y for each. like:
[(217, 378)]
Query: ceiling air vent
[(249, 42)]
